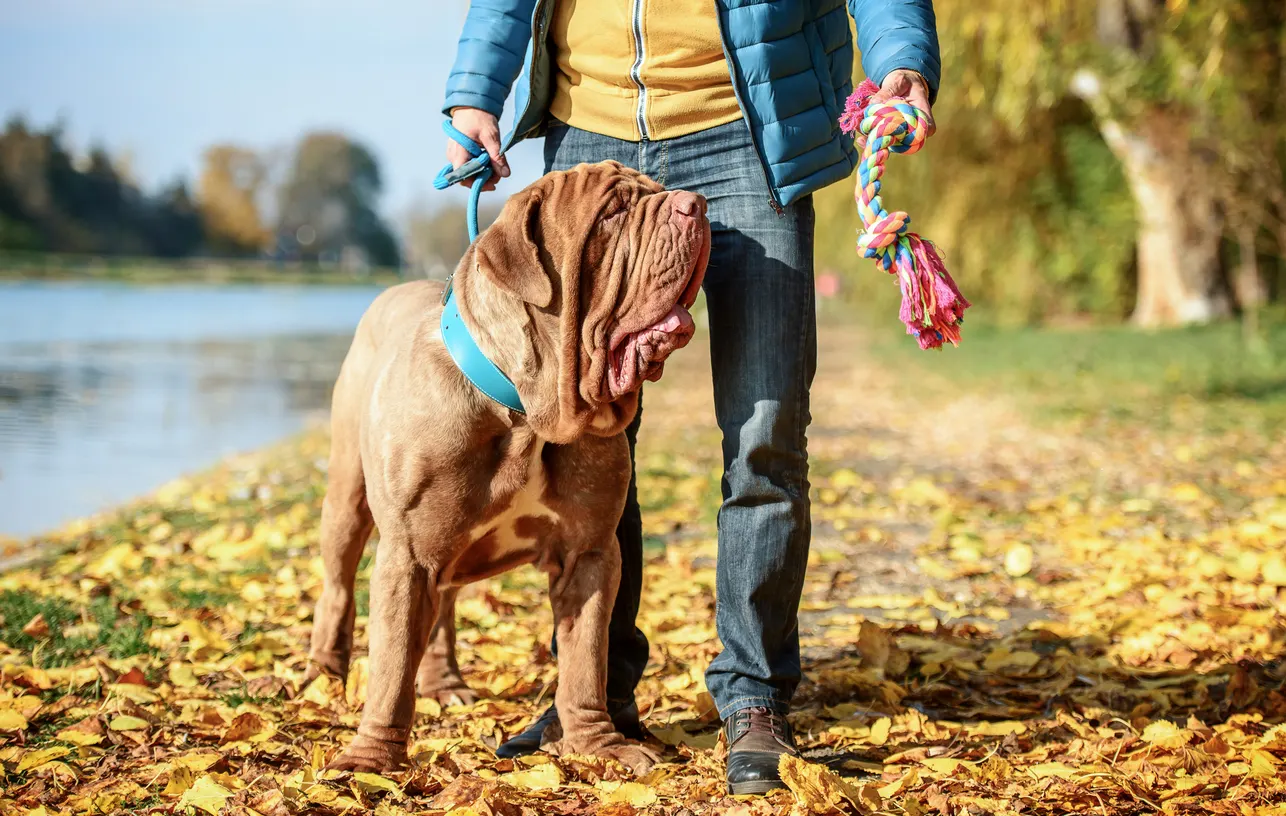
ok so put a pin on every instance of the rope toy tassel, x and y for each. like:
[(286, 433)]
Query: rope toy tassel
[(932, 306)]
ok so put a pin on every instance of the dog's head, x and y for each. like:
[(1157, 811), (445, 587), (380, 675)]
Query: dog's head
[(595, 269)]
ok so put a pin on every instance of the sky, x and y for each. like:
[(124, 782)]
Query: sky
[(161, 80)]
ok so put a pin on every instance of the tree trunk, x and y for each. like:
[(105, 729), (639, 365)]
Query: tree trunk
[(1248, 284), (1179, 224)]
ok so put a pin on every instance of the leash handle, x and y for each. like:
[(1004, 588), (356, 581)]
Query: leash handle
[(478, 166)]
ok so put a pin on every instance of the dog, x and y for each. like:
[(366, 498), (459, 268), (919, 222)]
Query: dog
[(577, 293)]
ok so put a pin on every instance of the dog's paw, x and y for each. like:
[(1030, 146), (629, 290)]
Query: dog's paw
[(333, 664), (369, 755), (638, 758), (454, 695), (447, 689)]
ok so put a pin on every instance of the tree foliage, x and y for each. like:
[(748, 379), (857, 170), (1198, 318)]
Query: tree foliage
[(328, 201), (1033, 184), (232, 183), (52, 200)]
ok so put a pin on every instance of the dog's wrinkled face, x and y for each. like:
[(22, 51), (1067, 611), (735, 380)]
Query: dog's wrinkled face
[(661, 241), (612, 262)]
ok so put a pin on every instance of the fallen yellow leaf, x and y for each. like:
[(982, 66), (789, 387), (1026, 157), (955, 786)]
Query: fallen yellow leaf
[(369, 782), (34, 759), (631, 793), (11, 720), (880, 731), (125, 722), (1018, 559), (205, 794), (542, 777)]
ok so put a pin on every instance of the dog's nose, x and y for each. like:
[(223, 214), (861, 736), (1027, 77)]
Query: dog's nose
[(689, 204)]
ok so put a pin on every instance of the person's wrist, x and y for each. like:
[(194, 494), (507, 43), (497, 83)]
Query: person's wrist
[(915, 75)]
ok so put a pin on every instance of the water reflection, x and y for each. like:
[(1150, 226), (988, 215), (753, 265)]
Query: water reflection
[(101, 413)]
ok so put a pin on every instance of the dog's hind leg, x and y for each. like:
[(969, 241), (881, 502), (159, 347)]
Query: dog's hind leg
[(346, 526), (403, 600), (439, 674)]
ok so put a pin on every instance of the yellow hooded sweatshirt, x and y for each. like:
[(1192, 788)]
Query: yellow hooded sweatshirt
[(640, 69)]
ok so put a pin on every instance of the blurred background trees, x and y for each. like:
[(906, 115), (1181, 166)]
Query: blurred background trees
[(1111, 159), (53, 199), (230, 192), (327, 202)]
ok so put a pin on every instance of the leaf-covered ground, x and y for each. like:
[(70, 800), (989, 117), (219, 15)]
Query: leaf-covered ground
[(1078, 616)]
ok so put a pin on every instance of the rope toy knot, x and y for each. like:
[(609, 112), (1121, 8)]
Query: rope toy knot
[(932, 306)]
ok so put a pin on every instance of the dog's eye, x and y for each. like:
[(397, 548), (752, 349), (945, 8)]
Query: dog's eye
[(613, 212)]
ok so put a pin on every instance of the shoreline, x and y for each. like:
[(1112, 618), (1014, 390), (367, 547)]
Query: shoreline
[(39, 550), (213, 277)]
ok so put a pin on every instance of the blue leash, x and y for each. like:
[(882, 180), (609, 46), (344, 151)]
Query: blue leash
[(473, 364), (479, 165)]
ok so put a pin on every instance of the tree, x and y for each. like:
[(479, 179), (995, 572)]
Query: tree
[(437, 238), (1178, 92), (327, 202), (232, 181), (174, 226), (54, 200)]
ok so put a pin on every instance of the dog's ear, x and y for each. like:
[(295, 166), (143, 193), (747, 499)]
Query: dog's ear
[(511, 257)]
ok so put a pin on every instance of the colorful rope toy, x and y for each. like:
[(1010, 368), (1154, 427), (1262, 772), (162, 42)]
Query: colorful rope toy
[(932, 306)]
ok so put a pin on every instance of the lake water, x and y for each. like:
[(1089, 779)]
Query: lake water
[(108, 391)]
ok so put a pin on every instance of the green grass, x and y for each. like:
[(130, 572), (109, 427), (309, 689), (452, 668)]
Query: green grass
[(239, 697), (1119, 372), (118, 634), (186, 597), (47, 267)]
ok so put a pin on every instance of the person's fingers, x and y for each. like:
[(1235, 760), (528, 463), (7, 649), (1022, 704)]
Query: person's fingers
[(456, 154), (491, 142), (919, 99)]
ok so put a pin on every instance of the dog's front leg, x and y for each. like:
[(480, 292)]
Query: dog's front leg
[(403, 597), (582, 596)]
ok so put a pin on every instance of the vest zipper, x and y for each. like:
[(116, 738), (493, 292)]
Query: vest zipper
[(636, 25), (736, 91)]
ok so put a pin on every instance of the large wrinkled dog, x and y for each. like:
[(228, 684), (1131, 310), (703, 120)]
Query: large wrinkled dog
[(578, 293)]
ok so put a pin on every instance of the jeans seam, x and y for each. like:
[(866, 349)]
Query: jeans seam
[(801, 393)]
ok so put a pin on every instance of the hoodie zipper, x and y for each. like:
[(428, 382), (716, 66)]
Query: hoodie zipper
[(636, 70), (763, 165)]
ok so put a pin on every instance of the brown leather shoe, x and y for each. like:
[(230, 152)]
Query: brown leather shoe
[(757, 737)]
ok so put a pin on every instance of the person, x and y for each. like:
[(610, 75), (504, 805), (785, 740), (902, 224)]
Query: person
[(737, 101)]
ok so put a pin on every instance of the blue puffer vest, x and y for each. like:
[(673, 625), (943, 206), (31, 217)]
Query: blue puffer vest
[(791, 64)]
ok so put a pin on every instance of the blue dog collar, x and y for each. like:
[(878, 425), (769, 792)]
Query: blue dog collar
[(473, 364)]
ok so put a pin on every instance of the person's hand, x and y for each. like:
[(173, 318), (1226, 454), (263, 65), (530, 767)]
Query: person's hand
[(483, 128), (910, 86)]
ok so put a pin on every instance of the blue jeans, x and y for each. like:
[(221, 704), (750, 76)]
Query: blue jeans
[(763, 353)]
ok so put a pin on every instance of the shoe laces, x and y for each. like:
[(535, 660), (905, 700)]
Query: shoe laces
[(762, 717)]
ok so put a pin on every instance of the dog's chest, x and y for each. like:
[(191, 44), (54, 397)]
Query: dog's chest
[(515, 533)]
